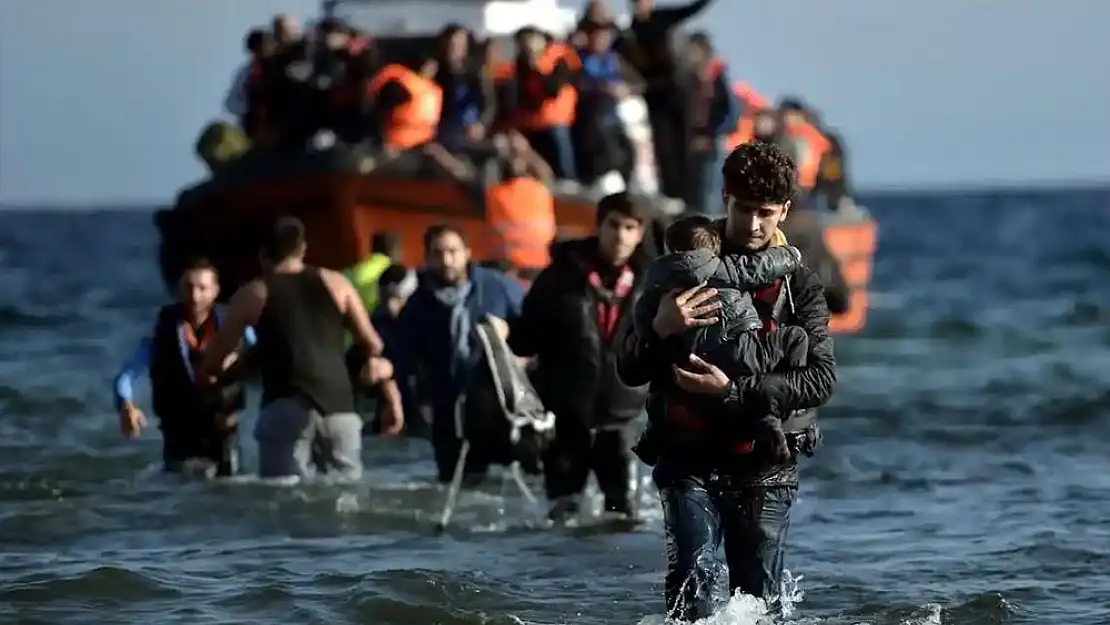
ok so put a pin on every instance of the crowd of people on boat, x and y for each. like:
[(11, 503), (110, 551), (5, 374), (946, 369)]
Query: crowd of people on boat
[(553, 106)]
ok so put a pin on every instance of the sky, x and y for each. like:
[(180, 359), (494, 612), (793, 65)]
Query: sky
[(102, 101)]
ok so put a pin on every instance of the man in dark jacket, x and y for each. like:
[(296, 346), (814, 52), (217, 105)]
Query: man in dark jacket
[(716, 483), (647, 46), (569, 321), (198, 421)]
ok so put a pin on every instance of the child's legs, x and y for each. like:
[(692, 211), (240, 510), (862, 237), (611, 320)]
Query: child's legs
[(785, 347)]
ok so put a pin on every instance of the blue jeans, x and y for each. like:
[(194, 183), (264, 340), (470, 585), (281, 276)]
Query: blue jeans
[(701, 514)]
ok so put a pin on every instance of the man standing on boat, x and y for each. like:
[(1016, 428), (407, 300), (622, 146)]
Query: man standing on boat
[(717, 485), (569, 322), (648, 48), (198, 421), (308, 421)]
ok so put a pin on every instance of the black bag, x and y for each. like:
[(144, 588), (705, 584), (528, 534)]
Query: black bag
[(503, 418)]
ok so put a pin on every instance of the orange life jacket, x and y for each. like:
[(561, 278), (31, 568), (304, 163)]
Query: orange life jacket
[(811, 147), (522, 214), (556, 111), (751, 103), (413, 123)]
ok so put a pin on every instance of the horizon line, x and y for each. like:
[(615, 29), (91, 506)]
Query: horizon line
[(974, 188)]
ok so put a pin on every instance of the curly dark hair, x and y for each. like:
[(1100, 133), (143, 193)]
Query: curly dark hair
[(760, 172)]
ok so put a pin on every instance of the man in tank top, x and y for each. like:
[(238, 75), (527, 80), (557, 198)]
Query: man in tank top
[(308, 421)]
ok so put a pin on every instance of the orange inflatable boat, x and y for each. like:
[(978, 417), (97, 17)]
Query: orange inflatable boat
[(343, 200)]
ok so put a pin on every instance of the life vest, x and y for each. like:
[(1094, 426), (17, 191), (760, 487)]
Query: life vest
[(365, 276), (522, 213), (751, 103), (414, 122), (179, 402), (810, 147), (832, 167), (611, 301), (549, 112)]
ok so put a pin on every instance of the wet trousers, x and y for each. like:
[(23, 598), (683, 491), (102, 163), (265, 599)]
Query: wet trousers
[(579, 449), (446, 445), (218, 446), (700, 515), (294, 438)]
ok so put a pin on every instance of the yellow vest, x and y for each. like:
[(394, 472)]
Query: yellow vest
[(365, 276)]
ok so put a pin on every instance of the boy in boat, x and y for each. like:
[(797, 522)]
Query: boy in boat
[(736, 343)]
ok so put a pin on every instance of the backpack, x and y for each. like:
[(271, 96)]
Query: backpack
[(503, 419)]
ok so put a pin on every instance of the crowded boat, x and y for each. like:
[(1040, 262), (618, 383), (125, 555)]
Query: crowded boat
[(510, 123)]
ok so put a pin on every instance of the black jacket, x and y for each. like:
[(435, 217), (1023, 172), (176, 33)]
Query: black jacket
[(643, 358), (576, 374)]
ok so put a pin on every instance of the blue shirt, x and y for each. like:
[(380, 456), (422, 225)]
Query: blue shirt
[(600, 68), (139, 363)]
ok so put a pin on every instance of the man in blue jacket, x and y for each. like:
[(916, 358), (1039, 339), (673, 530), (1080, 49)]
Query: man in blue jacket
[(197, 421), (433, 336)]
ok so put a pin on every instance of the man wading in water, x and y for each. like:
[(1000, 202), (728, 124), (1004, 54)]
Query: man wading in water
[(718, 480), (308, 420), (197, 420)]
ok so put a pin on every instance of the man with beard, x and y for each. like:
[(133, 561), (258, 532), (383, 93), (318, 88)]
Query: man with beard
[(718, 483), (569, 321), (198, 420), (435, 343)]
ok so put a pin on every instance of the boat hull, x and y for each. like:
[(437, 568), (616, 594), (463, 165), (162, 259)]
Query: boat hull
[(342, 210)]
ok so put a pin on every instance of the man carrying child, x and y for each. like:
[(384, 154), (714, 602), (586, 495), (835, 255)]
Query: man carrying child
[(719, 399)]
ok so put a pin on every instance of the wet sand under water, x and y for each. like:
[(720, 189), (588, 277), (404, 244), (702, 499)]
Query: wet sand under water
[(965, 477)]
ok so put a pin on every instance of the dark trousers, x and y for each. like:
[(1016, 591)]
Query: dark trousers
[(699, 516), (671, 138), (219, 446), (597, 135), (705, 182), (556, 146), (446, 445), (577, 450)]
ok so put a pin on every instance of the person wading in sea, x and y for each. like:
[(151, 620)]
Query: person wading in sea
[(569, 321), (435, 343), (197, 421), (717, 483), (308, 421)]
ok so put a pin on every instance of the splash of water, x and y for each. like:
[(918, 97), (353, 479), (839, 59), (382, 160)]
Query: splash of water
[(741, 609)]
